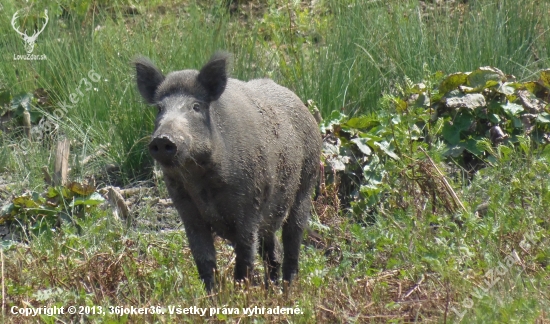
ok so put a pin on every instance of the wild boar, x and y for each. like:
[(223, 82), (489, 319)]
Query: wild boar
[(239, 159)]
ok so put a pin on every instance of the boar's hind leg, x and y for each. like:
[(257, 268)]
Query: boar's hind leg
[(270, 250), (293, 228)]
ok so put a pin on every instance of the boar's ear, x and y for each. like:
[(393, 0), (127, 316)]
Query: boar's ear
[(213, 75), (148, 78)]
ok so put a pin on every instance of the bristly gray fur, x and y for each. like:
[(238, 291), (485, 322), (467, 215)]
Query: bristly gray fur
[(240, 159)]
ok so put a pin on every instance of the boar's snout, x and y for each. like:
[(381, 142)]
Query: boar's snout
[(163, 149)]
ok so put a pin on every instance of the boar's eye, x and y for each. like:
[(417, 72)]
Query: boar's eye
[(196, 107), (159, 109)]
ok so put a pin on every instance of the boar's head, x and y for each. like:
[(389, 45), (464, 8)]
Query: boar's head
[(183, 127)]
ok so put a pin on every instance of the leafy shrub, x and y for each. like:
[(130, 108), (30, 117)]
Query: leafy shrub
[(461, 118), (481, 109), (13, 106), (355, 152), (39, 212)]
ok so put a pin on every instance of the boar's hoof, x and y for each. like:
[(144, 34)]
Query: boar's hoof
[(163, 149)]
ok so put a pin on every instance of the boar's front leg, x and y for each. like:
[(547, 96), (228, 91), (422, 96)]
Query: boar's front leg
[(199, 235), (246, 247), (201, 243)]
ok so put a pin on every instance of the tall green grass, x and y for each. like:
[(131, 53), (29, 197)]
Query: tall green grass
[(370, 46), (112, 112), (343, 55)]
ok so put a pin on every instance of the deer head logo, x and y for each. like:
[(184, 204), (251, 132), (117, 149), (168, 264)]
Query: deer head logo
[(29, 40)]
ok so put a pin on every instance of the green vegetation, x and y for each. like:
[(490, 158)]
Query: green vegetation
[(427, 211)]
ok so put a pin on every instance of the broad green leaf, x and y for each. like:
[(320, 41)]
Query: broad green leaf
[(7, 209), (545, 78), (335, 118), (52, 192), (451, 133), (484, 144), (418, 88), (505, 151), (361, 122), (66, 192), (485, 77), (400, 104), (371, 136), (437, 96), (93, 199), (472, 147), (546, 154), (466, 89), (29, 201), (35, 116), (373, 175), (81, 188), (517, 122), (438, 75), (455, 150), (463, 121), (492, 159), (337, 163), (533, 87), (452, 81), (512, 109), (26, 202), (524, 143), (373, 164), (21, 102), (385, 147), (543, 118), (396, 119), (369, 190), (7, 244), (415, 133), (362, 145), (494, 118), (422, 101), (508, 88), (491, 83)]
